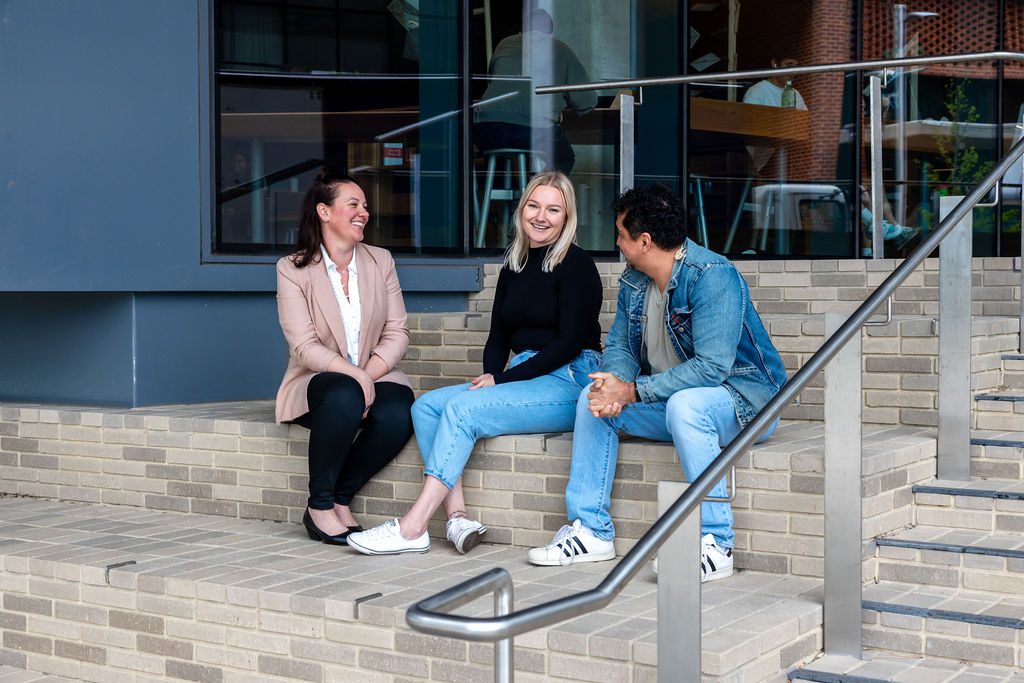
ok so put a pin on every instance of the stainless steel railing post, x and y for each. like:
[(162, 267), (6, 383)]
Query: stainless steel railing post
[(679, 607), (954, 440), (843, 520), (627, 141), (504, 661), (877, 187)]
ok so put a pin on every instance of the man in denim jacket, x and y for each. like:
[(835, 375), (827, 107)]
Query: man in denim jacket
[(687, 360)]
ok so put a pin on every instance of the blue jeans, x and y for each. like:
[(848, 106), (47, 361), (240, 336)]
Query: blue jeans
[(699, 422), (449, 421)]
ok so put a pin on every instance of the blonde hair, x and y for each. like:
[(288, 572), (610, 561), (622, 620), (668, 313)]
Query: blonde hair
[(518, 251)]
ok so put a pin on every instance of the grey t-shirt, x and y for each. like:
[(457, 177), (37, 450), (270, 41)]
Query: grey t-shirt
[(660, 354)]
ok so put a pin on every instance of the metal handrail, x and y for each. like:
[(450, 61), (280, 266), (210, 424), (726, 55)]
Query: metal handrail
[(873, 65), (425, 616)]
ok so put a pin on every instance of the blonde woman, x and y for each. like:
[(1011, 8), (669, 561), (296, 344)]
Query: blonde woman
[(545, 313)]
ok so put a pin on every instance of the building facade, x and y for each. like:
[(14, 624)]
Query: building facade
[(155, 153)]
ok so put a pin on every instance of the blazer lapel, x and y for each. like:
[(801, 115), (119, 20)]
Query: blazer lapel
[(366, 266), (328, 303)]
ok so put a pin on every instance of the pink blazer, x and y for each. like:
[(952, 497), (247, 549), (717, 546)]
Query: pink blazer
[(311, 321)]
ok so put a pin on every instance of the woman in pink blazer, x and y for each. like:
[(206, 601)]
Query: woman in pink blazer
[(341, 310)]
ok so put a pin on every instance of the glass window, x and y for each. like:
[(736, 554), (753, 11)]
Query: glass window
[(516, 47), (368, 86), (771, 160)]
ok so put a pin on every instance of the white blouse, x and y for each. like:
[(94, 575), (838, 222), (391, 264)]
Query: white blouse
[(349, 305)]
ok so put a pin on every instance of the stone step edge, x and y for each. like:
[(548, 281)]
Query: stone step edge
[(19, 675), (1000, 396), (1013, 356), (1016, 441), (944, 615), (829, 677), (973, 493), (950, 548)]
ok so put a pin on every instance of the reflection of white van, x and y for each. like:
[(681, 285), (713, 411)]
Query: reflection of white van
[(814, 214)]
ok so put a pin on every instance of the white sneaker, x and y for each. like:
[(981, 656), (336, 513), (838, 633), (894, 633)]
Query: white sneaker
[(464, 533), (572, 544), (386, 539), (715, 561)]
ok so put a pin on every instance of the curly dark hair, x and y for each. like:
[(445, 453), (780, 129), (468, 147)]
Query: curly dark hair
[(323, 190), (656, 210)]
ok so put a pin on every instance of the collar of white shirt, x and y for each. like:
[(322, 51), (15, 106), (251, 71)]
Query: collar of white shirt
[(331, 265)]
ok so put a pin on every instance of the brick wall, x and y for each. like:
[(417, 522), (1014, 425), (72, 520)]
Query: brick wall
[(900, 358)]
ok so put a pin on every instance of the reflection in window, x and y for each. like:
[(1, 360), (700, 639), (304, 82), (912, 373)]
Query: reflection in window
[(364, 86)]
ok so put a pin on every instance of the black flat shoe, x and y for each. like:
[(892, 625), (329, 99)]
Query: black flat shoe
[(316, 535)]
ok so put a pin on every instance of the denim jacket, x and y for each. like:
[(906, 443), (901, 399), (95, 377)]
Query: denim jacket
[(713, 328)]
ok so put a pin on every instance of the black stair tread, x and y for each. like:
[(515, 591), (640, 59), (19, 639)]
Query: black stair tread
[(992, 437), (883, 667), (1012, 396), (1006, 489), (966, 541), (948, 604)]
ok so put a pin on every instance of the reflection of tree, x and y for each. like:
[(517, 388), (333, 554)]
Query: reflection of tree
[(961, 167)]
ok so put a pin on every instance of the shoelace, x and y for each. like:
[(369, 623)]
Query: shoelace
[(459, 524), (388, 528), (562, 534)]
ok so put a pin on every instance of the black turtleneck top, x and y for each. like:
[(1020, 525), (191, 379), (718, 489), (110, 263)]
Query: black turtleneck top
[(554, 314)]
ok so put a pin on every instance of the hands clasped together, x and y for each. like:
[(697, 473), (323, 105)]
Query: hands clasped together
[(609, 394)]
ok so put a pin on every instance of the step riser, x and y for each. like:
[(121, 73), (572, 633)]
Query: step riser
[(969, 512), (997, 462), (913, 566), (514, 484), (998, 415), (943, 639), (1013, 380)]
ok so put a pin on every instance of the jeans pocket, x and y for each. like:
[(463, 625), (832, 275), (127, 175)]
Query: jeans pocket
[(580, 367)]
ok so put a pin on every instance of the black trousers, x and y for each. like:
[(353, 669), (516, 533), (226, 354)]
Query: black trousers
[(340, 463)]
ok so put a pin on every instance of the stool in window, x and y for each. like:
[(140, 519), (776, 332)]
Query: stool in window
[(517, 165)]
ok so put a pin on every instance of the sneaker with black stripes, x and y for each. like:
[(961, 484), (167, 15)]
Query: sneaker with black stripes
[(573, 543), (715, 561)]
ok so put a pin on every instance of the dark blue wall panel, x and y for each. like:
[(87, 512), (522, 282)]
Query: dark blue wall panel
[(195, 348), (100, 166), (66, 348)]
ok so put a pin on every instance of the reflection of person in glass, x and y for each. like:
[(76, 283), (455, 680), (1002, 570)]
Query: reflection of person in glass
[(342, 313), (772, 92), (527, 121)]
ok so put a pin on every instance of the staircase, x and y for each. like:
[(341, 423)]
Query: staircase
[(946, 602)]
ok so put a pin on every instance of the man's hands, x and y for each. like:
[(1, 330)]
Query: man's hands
[(481, 381), (609, 394)]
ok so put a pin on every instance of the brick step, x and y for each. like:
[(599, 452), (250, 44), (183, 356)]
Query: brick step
[(997, 454), (1013, 372), (881, 667), (946, 623), (938, 556), (1003, 410), (12, 674), (985, 505), (232, 460), (111, 594)]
